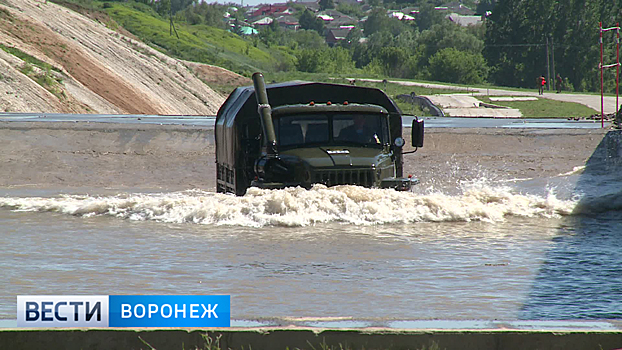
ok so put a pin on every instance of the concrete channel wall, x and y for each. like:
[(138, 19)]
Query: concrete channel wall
[(306, 338)]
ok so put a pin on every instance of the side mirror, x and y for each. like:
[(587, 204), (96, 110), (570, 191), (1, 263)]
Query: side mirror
[(417, 133)]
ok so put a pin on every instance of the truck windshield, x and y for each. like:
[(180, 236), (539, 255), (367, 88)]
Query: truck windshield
[(363, 129)]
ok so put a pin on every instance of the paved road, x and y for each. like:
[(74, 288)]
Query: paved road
[(592, 101), (208, 121)]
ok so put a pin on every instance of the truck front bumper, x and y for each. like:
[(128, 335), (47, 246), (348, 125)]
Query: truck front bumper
[(399, 183)]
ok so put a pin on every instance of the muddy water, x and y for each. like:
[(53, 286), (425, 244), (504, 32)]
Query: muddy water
[(524, 249), (481, 248)]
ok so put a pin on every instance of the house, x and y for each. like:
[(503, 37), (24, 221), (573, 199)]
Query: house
[(344, 21), (351, 2), (262, 21), (311, 5), (332, 13), (457, 7), (325, 18), (245, 30), (270, 10), (411, 11), (464, 21), (288, 22), (333, 36)]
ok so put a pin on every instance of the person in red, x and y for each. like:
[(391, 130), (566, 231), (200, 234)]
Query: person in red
[(541, 83)]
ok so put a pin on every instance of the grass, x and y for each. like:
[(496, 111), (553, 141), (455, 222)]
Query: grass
[(214, 344), (28, 58), (197, 43), (42, 74), (545, 108)]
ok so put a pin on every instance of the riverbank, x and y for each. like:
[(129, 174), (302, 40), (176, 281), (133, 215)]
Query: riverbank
[(305, 338)]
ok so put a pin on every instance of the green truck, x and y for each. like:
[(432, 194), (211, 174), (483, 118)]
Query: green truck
[(305, 133)]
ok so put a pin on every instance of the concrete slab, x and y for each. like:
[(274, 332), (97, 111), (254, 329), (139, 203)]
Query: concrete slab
[(454, 101), (464, 105), (483, 112)]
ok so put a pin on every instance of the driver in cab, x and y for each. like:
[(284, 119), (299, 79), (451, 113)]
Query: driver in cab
[(359, 132)]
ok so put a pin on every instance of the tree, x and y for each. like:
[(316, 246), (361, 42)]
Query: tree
[(308, 20), (326, 4), (308, 39), (484, 6), (517, 32), (454, 66), (448, 35), (327, 60), (428, 16)]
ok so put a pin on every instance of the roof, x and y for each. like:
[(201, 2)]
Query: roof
[(243, 99), (345, 20), (248, 31), (340, 34), (464, 21), (263, 21), (270, 9), (291, 20), (240, 108), (459, 8)]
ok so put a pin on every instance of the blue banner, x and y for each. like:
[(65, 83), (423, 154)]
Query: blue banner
[(169, 311)]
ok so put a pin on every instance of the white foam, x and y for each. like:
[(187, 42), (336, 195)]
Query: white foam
[(299, 207), (575, 170)]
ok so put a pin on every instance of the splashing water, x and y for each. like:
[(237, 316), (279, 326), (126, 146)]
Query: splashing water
[(299, 207)]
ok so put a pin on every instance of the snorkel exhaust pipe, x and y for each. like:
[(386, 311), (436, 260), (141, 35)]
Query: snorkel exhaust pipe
[(268, 167), (265, 114)]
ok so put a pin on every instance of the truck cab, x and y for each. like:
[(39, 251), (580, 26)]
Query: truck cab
[(310, 133)]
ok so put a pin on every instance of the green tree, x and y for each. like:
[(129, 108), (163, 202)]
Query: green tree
[(326, 4), (448, 35), (428, 16), (392, 59), (311, 60), (308, 39), (515, 40), (378, 21), (484, 6), (327, 60), (454, 66), (308, 20), (350, 9)]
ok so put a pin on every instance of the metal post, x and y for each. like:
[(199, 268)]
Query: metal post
[(548, 66), (553, 59), (602, 107), (617, 64)]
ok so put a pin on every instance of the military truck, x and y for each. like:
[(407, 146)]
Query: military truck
[(305, 133)]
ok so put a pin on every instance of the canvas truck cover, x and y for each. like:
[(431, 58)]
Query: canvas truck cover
[(240, 108)]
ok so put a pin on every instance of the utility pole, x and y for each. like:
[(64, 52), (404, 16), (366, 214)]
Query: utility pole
[(548, 66), (553, 58)]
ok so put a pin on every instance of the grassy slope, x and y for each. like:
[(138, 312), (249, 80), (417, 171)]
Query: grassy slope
[(545, 108), (198, 43)]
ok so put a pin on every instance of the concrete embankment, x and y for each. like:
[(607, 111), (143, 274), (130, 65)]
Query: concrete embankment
[(136, 157), (106, 155), (305, 338)]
